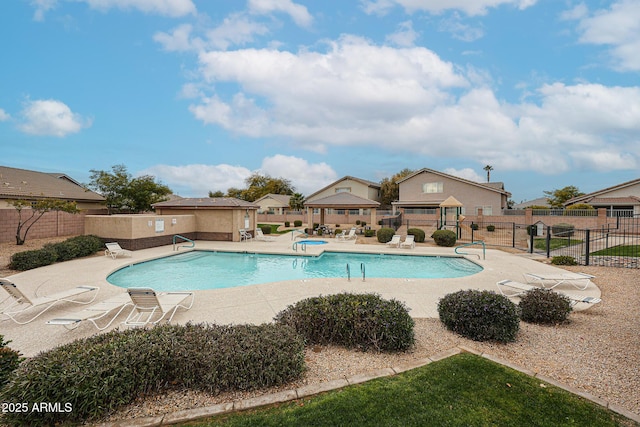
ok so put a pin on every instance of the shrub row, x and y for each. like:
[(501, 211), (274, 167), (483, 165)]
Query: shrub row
[(9, 361), (74, 247), (95, 376), (363, 321)]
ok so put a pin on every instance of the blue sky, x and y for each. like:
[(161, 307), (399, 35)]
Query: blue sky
[(201, 93)]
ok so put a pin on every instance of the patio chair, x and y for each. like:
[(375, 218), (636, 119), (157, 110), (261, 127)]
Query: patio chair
[(245, 236), (22, 303), (517, 289), (395, 241), (149, 304), (409, 242), (350, 236), (95, 313), (114, 249), (579, 281), (261, 237)]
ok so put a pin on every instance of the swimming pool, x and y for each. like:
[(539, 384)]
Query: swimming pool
[(198, 270), (312, 242)]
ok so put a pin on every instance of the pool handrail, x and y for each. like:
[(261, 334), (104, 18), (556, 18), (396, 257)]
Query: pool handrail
[(348, 273), (193, 244), (303, 246), (477, 242), (362, 270), (293, 232)]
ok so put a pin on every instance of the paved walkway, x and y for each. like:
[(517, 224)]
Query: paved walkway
[(258, 303)]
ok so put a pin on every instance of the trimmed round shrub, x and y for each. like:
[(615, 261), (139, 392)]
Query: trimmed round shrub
[(563, 260), (563, 230), (474, 226), (544, 306), (287, 224), (480, 315), (266, 229), (9, 361), (444, 238), (297, 223), (28, 260), (362, 321), (491, 227), (385, 234), (97, 375), (418, 234), (369, 233)]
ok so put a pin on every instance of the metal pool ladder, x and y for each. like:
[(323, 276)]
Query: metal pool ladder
[(303, 247), (177, 236), (479, 242)]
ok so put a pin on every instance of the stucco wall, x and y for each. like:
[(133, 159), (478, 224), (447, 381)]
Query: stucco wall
[(357, 189)]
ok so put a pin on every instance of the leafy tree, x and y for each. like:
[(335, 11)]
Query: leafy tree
[(259, 185), (557, 198), (216, 194), (296, 202), (488, 169), (38, 209), (389, 189), (122, 192)]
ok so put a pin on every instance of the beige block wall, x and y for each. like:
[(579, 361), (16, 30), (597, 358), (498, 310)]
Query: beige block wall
[(138, 226)]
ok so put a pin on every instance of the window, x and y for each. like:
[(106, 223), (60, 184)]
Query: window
[(343, 189), (354, 211), (432, 187), (486, 210)]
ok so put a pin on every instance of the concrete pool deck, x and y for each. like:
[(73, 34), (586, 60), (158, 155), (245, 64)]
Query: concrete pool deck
[(259, 303)]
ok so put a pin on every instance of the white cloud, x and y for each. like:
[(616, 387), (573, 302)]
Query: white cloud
[(466, 173), (4, 116), (51, 117), (405, 36), (460, 30), (305, 177), (198, 179), (617, 27), (171, 8), (469, 7), (236, 29), (179, 39), (298, 13)]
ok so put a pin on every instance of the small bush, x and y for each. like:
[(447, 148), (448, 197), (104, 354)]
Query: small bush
[(287, 224), (480, 315), (29, 260), (563, 230), (97, 375), (357, 222), (491, 228), (418, 234), (474, 226), (363, 321), (369, 233), (363, 223), (297, 223), (444, 238), (9, 361), (563, 260), (337, 231), (385, 234), (266, 229), (544, 306)]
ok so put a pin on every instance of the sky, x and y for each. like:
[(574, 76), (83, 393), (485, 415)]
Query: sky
[(203, 93)]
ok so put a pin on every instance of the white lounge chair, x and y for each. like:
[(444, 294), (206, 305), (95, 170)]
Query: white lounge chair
[(350, 236), (95, 313), (395, 241), (114, 250), (261, 237), (148, 303), (22, 303), (245, 236), (409, 242), (580, 281), (517, 289)]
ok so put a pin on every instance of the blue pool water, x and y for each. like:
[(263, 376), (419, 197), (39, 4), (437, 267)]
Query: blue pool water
[(212, 270)]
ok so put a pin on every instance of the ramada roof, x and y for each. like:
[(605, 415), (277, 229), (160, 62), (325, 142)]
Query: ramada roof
[(207, 203), (27, 184), (342, 200)]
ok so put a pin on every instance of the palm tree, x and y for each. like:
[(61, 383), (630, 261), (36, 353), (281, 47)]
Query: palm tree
[(488, 168)]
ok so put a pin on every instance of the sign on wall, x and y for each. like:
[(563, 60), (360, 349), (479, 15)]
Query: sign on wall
[(159, 225)]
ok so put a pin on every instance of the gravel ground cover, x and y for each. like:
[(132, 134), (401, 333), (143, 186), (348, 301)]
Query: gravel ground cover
[(597, 352)]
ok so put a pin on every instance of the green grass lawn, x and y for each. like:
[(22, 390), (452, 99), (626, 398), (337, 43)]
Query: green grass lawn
[(555, 243), (274, 228), (463, 390), (628, 250)]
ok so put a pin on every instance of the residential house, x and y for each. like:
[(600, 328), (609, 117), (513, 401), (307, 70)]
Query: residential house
[(273, 203), (622, 199), (423, 192)]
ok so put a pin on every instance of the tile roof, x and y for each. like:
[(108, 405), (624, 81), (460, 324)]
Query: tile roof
[(22, 183), (344, 178), (207, 202)]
